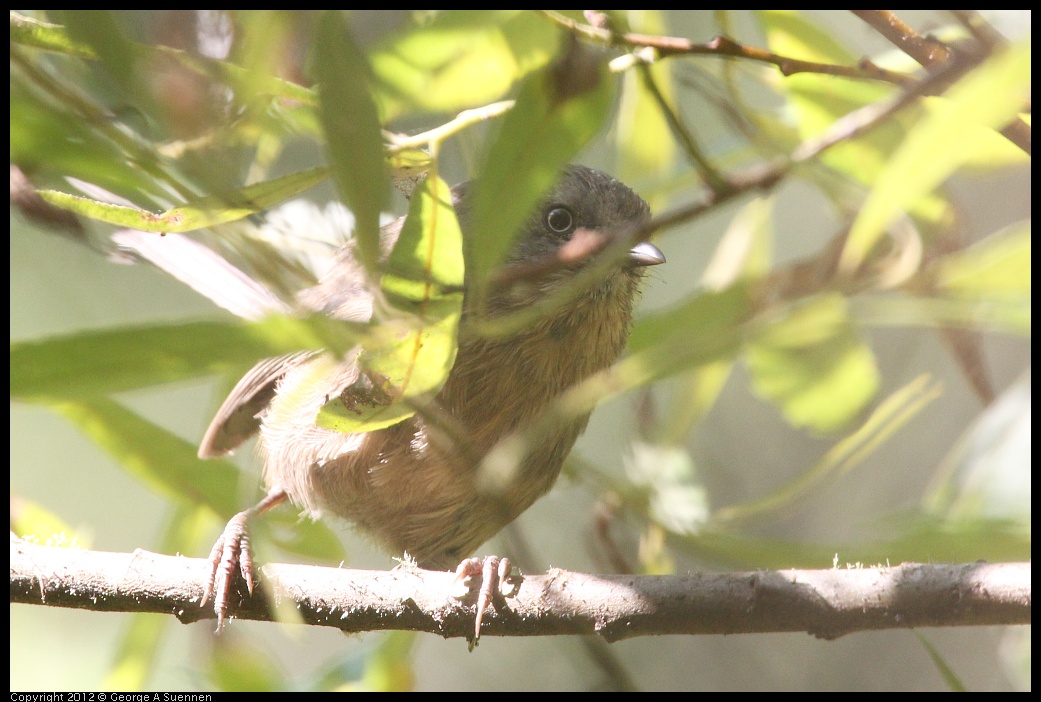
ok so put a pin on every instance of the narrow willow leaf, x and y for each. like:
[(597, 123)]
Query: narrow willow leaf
[(954, 683), (1008, 316), (54, 143), (557, 112), (813, 365), (102, 362), (746, 249), (921, 539), (99, 30), (165, 462), (819, 100), (409, 359), (988, 96), (354, 140), (997, 267), (893, 413), (39, 524), (198, 214), (26, 31), (702, 330)]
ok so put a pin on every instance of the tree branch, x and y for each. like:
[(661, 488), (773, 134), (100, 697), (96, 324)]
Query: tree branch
[(826, 603), (933, 53), (725, 46)]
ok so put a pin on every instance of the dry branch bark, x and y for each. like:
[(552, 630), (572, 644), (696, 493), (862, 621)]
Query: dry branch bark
[(826, 603)]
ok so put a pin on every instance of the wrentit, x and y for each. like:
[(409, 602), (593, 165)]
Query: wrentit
[(410, 486)]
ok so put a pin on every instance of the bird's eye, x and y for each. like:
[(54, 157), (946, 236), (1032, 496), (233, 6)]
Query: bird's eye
[(560, 219)]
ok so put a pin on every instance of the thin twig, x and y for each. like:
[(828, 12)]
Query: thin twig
[(724, 46), (934, 55)]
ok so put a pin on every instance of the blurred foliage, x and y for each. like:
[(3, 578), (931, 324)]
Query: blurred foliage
[(182, 121)]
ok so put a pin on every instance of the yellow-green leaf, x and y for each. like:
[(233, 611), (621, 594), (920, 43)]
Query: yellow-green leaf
[(989, 96), (813, 365), (461, 59), (408, 359), (998, 266), (197, 214), (103, 362), (165, 462)]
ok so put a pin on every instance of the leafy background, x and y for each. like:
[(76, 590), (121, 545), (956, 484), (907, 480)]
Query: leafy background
[(838, 426)]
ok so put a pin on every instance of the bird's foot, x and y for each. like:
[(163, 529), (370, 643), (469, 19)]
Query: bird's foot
[(495, 574), (230, 555)]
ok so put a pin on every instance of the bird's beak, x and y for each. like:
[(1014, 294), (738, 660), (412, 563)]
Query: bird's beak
[(645, 254)]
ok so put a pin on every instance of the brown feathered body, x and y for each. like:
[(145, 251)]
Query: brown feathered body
[(416, 486)]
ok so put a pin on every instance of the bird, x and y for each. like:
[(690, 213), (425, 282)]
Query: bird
[(411, 486)]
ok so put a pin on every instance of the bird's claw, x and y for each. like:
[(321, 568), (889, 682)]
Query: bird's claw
[(495, 573), (230, 555)]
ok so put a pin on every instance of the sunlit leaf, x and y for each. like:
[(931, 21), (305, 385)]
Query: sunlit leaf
[(409, 358), (166, 463), (461, 59), (644, 142), (705, 329), (1010, 315), (204, 212), (44, 35), (998, 266), (102, 362), (989, 96), (813, 365), (33, 521), (819, 100)]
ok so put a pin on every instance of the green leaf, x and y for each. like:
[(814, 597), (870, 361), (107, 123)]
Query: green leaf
[(304, 537), (954, 683), (890, 416), (102, 362), (819, 100), (813, 365), (38, 524), (1008, 315), (426, 265), (52, 142), (409, 359), (27, 31), (197, 214), (165, 462), (558, 111), (240, 663), (708, 328), (997, 267), (461, 59), (921, 539), (98, 30), (354, 140), (988, 96)]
